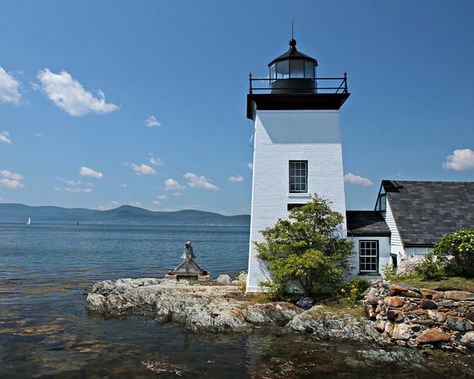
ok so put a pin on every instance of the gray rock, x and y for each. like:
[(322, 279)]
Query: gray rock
[(305, 302), (468, 340), (459, 323), (198, 307), (401, 331), (224, 279)]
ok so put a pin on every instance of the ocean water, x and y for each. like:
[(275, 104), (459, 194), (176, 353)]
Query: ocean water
[(47, 270)]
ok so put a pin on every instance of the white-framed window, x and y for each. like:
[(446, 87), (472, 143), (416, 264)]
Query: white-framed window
[(298, 176), (368, 256)]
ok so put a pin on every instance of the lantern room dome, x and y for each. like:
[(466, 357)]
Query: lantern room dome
[(293, 53)]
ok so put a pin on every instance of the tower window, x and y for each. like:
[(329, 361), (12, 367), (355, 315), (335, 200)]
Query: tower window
[(368, 256), (298, 176)]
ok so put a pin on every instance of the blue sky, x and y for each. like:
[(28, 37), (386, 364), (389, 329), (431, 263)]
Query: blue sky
[(105, 103)]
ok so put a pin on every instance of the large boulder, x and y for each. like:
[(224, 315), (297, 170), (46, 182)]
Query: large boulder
[(433, 335)]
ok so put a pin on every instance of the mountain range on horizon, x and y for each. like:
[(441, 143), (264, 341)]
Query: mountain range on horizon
[(125, 214)]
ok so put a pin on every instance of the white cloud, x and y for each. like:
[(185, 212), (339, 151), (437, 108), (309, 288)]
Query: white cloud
[(142, 169), (156, 202), (238, 178), (136, 203), (199, 182), (161, 197), (5, 137), (38, 135), (177, 194), (461, 159), (356, 179), (9, 88), (124, 185), (69, 95), (86, 171), (152, 122), (73, 189), (153, 160), (11, 180), (69, 182), (250, 166), (171, 184)]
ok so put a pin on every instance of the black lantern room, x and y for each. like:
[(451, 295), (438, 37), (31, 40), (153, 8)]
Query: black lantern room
[(292, 85), (293, 72)]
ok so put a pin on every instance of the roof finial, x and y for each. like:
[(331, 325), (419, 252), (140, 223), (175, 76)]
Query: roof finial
[(292, 40)]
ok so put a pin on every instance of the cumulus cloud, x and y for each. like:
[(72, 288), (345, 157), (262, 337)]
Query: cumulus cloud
[(461, 159), (142, 169), (238, 178), (250, 166), (356, 179), (152, 122), (171, 184), (11, 180), (5, 137), (86, 171), (69, 95), (199, 182), (161, 197), (153, 160), (9, 88)]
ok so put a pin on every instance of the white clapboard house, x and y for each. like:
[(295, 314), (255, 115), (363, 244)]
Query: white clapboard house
[(298, 152)]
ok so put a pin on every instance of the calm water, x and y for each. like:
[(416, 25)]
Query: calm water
[(46, 271)]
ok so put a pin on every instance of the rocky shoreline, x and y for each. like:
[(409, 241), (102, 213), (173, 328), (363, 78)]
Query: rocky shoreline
[(222, 307), (412, 317)]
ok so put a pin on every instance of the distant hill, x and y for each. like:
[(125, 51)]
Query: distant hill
[(125, 214)]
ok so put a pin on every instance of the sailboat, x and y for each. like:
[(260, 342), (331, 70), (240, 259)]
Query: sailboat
[(29, 221)]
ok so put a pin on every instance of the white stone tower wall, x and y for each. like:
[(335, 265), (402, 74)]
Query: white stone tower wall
[(281, 136)]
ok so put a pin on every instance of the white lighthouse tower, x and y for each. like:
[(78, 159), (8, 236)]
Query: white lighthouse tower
[(297, 145)]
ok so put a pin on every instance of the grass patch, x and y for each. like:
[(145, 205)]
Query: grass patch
[(342, 306), (462, 284)]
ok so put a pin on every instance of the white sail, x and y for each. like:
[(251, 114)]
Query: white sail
[(29, 221)]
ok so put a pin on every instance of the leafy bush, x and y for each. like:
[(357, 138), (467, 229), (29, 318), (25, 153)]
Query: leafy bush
[(453, 255), (354, 289), (306, 249), (389, 272)]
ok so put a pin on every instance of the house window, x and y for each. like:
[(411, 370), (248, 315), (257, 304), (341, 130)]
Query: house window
[(368, 256), (298, 176), (382, 203)]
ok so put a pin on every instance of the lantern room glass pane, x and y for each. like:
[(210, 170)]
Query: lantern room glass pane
[(273, 72), (296, 68), (282, 70), (309, 69)]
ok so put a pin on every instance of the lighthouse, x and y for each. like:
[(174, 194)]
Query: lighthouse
[(297, 148)]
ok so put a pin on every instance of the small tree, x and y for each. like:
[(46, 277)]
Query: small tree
[(307, 249)]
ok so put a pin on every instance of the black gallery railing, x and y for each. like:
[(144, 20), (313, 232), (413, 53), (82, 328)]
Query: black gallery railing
[(299, 85)]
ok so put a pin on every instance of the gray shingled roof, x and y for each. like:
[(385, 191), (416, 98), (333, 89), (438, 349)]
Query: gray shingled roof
[(425, 211), (366, 223)]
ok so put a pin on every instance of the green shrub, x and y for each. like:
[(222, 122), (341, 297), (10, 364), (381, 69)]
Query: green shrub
[(453, 255), (354, 289), (389, 272), (306, 249)]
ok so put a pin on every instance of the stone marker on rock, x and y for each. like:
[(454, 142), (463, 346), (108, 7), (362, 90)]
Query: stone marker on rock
[(188, 268)]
